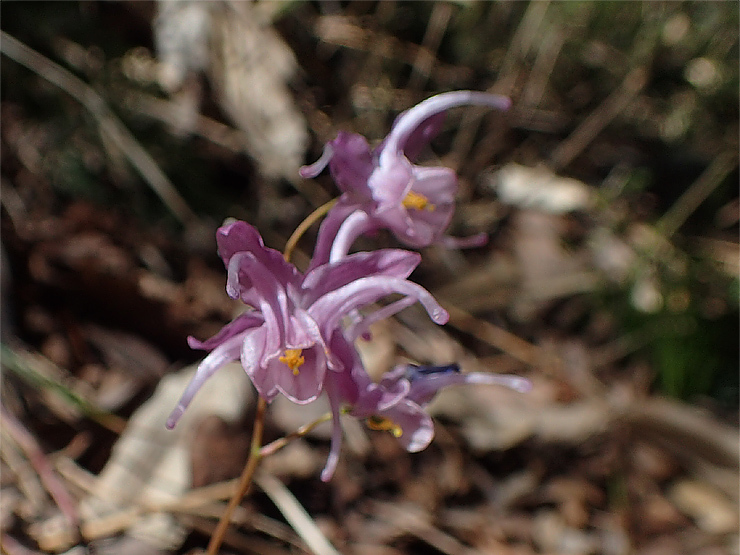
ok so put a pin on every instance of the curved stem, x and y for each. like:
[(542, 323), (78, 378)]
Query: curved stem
[(304, 225), (245, 480), (279, 443)]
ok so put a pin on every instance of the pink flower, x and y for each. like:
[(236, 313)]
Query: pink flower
[(382, 189), (295, 333), (396, 403)]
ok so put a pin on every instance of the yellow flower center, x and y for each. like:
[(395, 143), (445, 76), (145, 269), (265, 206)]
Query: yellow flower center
[(384, 424), (293, 359), (417, 201)]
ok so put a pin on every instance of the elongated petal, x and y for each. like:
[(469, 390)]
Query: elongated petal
[(426, 382), (358, 223), (416, 116), (477, 240), (312, 170), (336, 433), (329, 228), (238, 325), (385, 262), (362, 324), (227, 351), (332, 307)]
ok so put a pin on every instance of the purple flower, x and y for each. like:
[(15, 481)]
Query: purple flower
[(382, 189), (396, 403), (295, 332)]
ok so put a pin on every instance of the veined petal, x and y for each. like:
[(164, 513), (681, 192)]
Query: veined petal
[(252, 355), (391, 180), (238, 325), (239, 236), (303, 385), (417, 427), (247, 273), (351, 164), (437, 183), (386, 262), (414, 117), (331, 307), (227, 351)]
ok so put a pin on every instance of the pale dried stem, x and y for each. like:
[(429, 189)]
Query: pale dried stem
[(426, 55), (295, 514)]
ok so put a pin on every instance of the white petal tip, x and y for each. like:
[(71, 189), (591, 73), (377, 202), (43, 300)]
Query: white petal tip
[(440, 316), (174, 417)]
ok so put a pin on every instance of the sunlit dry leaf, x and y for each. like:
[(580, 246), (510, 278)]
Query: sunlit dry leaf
[(540, 189), (151, 464), (248, 64)]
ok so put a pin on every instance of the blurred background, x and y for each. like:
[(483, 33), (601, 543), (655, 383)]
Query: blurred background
[(131, 130)]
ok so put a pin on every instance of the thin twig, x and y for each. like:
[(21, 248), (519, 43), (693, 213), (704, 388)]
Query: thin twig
[(495, 336), (109, 124), (426, 55), (597, 120), (697, 193), (275, 446), (28, 444), (244, 481)]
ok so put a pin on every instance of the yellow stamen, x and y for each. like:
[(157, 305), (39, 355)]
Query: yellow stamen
[(384, 424), (293, 359), (417, 201)]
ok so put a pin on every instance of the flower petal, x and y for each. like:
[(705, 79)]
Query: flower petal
[(252, 354), (351, 164), (227, 351), (306, 383), (239, 236), (333, 306), (385, 262), (416, 116), (329, 229), (238, 325), (336, 434), (417, 427)]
